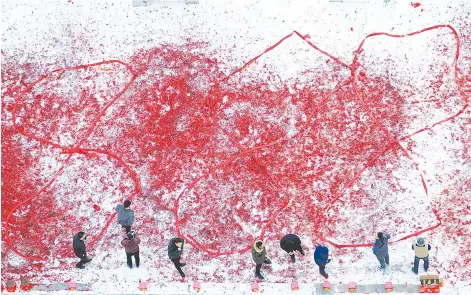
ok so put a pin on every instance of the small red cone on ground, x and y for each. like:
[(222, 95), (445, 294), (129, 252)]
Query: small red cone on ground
[(255, 287), (26, 285), (11, 286), (326, 285), (143, 286), (196, 286), (72, 286), (352, 286), (295, 286), (388, 286)]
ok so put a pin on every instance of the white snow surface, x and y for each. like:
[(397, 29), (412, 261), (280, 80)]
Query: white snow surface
[(237, 31)]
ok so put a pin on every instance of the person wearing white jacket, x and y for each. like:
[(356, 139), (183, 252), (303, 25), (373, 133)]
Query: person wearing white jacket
[(421, 249)]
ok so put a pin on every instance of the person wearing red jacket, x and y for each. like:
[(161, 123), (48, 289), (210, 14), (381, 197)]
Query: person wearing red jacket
[(131, 245)]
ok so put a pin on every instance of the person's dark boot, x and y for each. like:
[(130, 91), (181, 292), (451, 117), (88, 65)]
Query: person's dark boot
[(267, 261), (293, 259), (259, 275), (88, 260), (416, 272), (183, 275), (302, 252), (325, 275), (81, 266), (130, 265), (182, 264)]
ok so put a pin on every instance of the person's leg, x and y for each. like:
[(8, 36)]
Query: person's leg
[(258, 267), (176, 262), (322, 270), (136, 257), (86, 259), (415, 269), (129, 259), (128, 228), (386, 259), (426, 263), (80, 264), (300, 250), (381, 262)]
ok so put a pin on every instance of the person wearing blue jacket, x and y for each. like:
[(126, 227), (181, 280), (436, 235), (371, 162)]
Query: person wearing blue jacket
[(380, 249), (321, 258), (421, 249), (125, 215)]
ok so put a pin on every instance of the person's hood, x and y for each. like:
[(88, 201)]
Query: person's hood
[(256, 248)]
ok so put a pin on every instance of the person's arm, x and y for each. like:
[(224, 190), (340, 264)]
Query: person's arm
[(325, 257), (131, 217), (375, 247), (173, 252), (429, 247), (413, 248), (81, 248), (125, 242)]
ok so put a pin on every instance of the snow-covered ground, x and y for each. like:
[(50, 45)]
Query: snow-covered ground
[(288, 143)]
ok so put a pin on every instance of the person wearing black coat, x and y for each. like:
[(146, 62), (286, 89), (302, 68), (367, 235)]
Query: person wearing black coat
[(291, 243), (80, 249), (175, 249)]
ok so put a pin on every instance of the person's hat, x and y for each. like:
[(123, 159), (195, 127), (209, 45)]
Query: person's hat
[(131, 235), (420, 241)]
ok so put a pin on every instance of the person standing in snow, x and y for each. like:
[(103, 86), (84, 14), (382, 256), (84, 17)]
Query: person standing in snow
[(421, 249), (259, 256), (131, 246), (380, 249), (125, 215), (291, 243), (80, 250), (175, 249), (321, 258)]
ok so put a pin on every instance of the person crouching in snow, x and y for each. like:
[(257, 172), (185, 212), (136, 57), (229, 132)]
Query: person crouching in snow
[(80, 250), (131, 246), (380, 249), (259, 256), (321, 258), (125, 215), (291, 243), (421, 249), (175, 249)]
